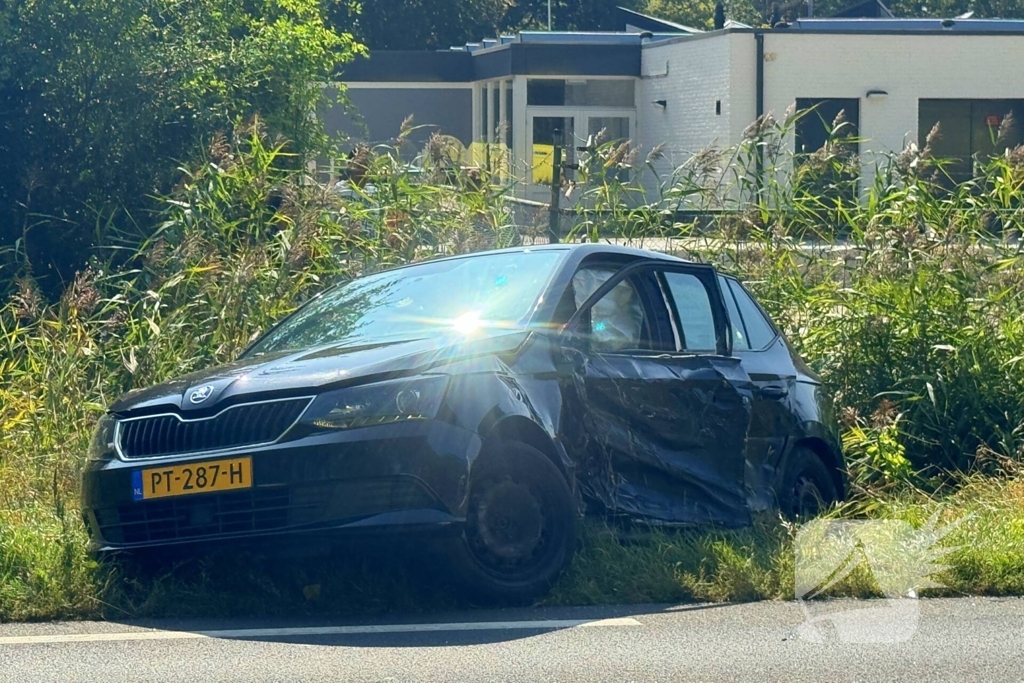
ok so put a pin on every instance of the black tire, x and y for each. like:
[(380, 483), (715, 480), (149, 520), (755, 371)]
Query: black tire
[(808, 488), (520, 530)]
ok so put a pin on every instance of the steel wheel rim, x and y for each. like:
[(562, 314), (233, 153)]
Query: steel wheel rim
[(509, 527)]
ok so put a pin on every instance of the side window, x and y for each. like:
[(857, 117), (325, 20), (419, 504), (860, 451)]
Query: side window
[(760, 332), (693, 310), (587, 280), (617, 320), (739, 335)]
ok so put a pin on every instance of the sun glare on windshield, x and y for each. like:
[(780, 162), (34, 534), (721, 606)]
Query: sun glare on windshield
[(468, 323), (471, 296)]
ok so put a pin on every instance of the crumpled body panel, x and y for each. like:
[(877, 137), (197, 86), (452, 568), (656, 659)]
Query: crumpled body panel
[(660, 437), (663, 437)]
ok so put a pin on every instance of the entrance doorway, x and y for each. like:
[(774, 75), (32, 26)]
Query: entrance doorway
[(579, 128)]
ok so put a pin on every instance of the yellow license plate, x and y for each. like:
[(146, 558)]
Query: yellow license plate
[(196, 477)]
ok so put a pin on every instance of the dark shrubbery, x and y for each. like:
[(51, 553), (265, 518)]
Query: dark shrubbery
[(101, 100)]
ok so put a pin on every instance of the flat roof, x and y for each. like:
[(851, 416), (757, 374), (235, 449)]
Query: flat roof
[(887, 25), (572, 53), (536, 58)]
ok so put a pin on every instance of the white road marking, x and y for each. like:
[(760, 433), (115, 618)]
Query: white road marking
[(542, 624)]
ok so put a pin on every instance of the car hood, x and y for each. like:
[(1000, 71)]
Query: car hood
[(309, 371)]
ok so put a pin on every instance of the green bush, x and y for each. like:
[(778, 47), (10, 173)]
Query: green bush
[(103, 99)]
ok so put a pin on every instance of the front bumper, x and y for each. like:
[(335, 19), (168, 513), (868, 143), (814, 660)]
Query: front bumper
[(405, 475)]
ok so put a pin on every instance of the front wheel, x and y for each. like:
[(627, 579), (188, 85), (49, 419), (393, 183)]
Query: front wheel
[(520, 530), (807, 486)]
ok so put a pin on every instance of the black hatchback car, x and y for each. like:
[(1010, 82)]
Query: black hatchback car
[(494, 397)]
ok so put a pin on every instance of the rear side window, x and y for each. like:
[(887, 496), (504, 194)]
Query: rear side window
[(739, 335), (759, 332), (693, 310)]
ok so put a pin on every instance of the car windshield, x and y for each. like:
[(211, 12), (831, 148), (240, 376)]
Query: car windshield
[(471, 295)]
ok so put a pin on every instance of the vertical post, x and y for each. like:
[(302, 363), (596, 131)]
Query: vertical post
[(522, 135), (489, 139), (474, 145), (477, 113), (503, 129), (490, 112), (556, 187), (759, 104), (549, 15)]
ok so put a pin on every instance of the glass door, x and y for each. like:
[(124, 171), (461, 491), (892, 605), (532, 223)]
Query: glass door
[(580, 128), (544, 130), (609, 128)]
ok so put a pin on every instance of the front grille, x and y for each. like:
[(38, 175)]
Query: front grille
[(247, 424), (204, 515), (257, 510)]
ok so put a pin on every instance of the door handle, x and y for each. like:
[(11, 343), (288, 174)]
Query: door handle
[(774, 392)]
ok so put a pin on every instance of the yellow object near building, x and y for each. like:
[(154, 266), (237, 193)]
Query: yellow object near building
[(497, 157), (543, 162)]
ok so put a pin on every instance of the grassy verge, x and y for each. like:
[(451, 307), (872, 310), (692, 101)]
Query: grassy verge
[(758, 563), (46, 574)]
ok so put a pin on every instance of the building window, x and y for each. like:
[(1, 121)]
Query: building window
[(969, 131), (827, 165), (820, 120), (557, 92)]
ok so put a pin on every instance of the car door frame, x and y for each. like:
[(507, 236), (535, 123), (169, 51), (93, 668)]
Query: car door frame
[(728, 489), (704, 272), (774, 375)]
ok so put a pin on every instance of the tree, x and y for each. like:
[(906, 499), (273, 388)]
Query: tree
[(701, 13), (566, 15), (101, 100), (419, 24), (1004, 9)]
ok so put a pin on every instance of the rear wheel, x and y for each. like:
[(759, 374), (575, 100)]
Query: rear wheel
[(520, 530), (807, 486)]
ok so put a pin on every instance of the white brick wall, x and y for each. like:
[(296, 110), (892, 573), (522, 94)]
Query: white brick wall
[(722, 67), (690, 75), (744, 84), (909, 67)]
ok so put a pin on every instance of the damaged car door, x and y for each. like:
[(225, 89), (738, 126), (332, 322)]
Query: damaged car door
[(665, 408)]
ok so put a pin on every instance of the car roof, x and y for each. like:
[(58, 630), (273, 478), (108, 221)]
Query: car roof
[(587, 248), (579, 250)]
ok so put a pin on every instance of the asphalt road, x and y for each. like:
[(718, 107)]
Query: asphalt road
[(941, 640)]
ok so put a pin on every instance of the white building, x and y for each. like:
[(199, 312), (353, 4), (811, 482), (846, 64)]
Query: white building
[(661, 83)]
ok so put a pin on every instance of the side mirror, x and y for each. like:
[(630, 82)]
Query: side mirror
[(576, 336)]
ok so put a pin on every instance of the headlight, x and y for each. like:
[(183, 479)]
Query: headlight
[(102, 445), (399, 400)]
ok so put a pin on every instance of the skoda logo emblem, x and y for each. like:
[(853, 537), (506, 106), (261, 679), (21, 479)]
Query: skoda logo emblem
[(201, 394)]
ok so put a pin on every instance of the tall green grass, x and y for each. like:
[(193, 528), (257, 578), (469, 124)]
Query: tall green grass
[(905, 296)]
